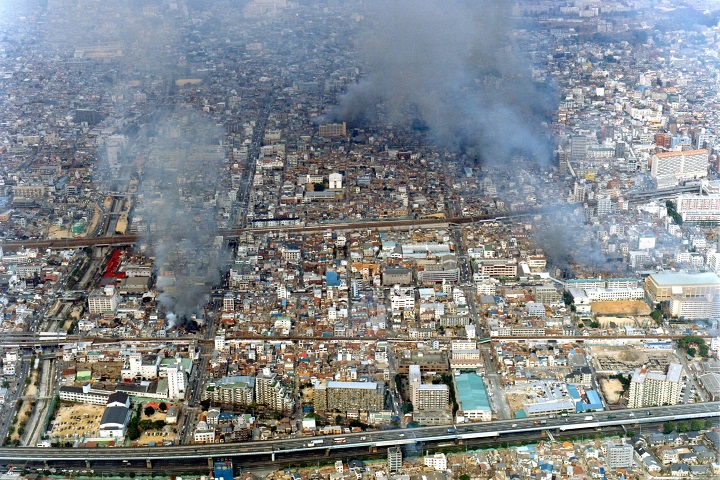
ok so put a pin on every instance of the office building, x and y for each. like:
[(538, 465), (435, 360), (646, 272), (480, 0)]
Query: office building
[(579, 146), (648, 387), (501, 267)]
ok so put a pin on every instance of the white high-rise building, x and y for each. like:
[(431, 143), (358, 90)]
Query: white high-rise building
[(335, 181), (699, 208), (271, 393), (414, 381), (220, 343), (394, 459), (177, 382), (432, 397), (648, 387), (670, 168)]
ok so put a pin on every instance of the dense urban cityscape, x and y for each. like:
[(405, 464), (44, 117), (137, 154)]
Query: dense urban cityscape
[(360, 239)]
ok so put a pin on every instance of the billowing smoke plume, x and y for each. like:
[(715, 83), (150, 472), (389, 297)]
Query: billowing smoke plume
[(454, 67), (120, 60), (177, 210)]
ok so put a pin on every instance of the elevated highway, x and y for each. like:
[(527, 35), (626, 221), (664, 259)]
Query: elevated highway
[(31, 340), (325, 445)]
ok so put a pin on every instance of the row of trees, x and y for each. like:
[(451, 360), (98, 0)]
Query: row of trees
[(686, 426)]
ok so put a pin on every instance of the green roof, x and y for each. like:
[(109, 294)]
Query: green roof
[(472, 392), (184, 361)]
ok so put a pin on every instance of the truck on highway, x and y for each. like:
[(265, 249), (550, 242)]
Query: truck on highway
[(589, 417), (452, 430), (339, 440)]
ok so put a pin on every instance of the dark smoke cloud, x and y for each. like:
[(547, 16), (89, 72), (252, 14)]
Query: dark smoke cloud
[(454, 67)]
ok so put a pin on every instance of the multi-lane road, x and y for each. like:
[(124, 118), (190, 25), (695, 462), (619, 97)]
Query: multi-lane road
[(369, 440), (30, 340)]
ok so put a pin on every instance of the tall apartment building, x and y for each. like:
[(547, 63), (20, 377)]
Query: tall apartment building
[(691, 295), (432, 397), (237, 390), (394, 459), (343, 396), (700, 308), (333, 130), (670, 168), (414, 382), (648, 388), (271, 393), (699, 208), (36, 190), (619, 456), (426, 397)]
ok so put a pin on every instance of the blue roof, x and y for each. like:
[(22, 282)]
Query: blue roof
[(332, 279), (573, 392), (594, 399)]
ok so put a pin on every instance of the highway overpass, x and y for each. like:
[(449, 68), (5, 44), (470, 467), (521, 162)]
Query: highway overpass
[(326, 445), (31, 340)]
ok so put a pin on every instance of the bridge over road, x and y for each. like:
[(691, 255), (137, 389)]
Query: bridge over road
[(301, 447)]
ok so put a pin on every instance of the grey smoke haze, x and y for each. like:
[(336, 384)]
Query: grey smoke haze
[(455, 67), (569, 242), (177, 205), (173, 152)]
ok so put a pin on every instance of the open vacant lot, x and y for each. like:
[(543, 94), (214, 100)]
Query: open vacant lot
[(622, 307), (76, 421)]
